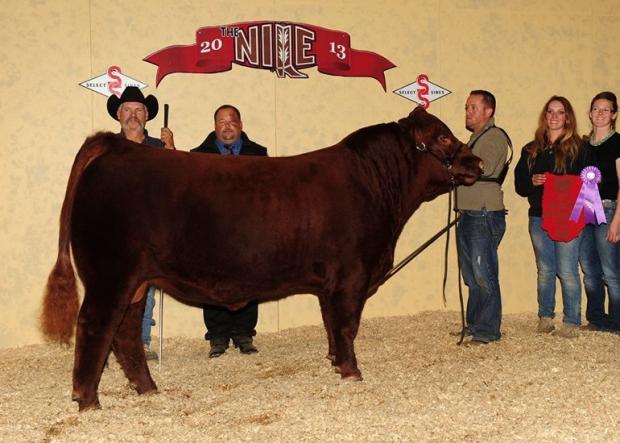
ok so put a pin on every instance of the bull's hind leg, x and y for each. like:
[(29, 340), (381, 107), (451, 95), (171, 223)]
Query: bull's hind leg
[(347, 310), (128, 349), (326, 313), (99, 317)]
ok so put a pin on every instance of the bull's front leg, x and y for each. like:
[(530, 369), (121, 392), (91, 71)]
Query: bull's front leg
[(346, 314), (128, 348)]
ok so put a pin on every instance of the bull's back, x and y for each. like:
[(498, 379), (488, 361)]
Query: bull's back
[(207, 218)]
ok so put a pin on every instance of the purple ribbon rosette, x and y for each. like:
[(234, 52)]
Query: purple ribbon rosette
[(589, 200)]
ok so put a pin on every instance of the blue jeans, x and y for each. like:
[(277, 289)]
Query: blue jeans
[(592, 278), (479, 234), (555, 258), (147, 318), (603, 258)]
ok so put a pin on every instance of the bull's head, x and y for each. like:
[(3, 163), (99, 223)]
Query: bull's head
[(432, 136)]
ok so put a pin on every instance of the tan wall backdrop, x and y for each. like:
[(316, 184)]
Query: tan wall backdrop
[(522, 51)]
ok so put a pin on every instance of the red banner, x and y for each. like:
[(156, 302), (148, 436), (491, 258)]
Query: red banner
[(559, 195), (283, 47)]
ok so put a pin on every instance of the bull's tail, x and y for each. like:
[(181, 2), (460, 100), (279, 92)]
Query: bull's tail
[(60, 300)]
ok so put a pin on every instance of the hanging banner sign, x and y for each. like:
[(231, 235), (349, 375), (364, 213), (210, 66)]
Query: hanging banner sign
[(283, 47)]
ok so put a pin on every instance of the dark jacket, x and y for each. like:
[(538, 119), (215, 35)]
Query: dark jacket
[(248, 147), (545, 162), (604, 157), (148, 140)]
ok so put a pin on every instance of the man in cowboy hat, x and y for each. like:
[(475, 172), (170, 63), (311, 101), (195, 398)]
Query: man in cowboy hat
[(133, 110)]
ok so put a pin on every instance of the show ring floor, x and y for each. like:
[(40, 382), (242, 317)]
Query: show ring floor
[(418, 386)]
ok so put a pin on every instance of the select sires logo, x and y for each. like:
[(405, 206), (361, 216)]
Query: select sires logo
[(112, 82), (282, 47), (422, 91)]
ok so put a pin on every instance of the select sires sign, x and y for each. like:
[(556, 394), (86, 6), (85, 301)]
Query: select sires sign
[(282, 47)]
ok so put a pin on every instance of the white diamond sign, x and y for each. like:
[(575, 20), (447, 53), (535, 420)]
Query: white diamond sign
[(422, 91), (112, 82)]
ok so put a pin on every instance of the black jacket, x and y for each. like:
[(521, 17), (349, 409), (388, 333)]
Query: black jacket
[(545, 162), (248, 147)]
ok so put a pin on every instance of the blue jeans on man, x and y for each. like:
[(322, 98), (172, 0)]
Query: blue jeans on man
[(556, 259), (479, 236), (147, 318), (602, 258)]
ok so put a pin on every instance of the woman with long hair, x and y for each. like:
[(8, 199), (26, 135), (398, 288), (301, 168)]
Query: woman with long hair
[(600, 250), (557, 149)]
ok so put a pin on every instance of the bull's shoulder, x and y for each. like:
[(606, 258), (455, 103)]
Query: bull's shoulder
[(381, 134)]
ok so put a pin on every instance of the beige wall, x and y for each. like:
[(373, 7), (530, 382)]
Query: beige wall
[(522, 51)]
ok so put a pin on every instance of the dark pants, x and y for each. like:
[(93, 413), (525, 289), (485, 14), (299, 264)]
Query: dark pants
[(224, 323)]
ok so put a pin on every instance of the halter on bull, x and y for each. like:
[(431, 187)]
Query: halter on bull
[(325, 222)]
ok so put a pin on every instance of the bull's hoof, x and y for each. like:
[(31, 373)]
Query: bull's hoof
[(353, 377), (152, 391), (88, 406), (331, 357), (144, 388)]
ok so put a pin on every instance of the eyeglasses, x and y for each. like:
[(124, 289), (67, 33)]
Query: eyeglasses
[(602, 110)]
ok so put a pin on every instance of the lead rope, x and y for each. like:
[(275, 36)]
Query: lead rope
[(445, 261), (411, 256), (445, 253), (458, 264)]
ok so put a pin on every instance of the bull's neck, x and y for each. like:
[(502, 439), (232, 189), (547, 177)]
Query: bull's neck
[(422, 186), (386, 170)]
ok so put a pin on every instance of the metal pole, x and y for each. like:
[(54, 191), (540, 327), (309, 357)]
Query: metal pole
[(161, 291), (161, 329)]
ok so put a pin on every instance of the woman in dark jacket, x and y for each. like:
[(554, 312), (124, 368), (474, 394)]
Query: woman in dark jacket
[(601, 241), (557, 149)]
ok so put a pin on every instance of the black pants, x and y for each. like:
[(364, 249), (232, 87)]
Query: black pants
[(224, 323)]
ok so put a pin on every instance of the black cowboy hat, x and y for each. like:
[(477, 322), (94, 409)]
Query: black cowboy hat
[(133, 94)]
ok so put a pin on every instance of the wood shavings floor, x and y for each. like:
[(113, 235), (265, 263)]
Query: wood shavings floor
[(418, 386)]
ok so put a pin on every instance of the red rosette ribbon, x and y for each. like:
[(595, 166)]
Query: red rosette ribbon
[(589, 200)]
